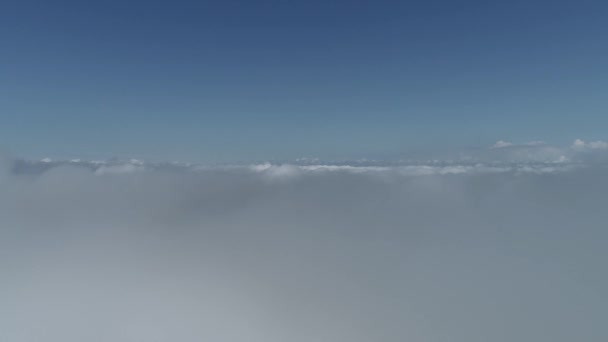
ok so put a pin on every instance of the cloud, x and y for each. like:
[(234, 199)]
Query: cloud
[(6, 165), (594, 145), (116, 169), (533, 151), (501, 144), (498, 250), (541, 152)]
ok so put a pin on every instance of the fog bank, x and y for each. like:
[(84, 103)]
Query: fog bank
[(123, 252)]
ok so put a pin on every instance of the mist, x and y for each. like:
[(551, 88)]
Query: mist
[(458, 252)]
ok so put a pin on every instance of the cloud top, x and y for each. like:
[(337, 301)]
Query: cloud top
[(485, 247)]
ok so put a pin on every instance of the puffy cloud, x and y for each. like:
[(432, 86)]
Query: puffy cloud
[(371, 251), (501, 144), (599, 145), (578, 144), (595, 145)]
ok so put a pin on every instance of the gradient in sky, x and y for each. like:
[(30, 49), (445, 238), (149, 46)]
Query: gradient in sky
[(502, 241), (248, 80)]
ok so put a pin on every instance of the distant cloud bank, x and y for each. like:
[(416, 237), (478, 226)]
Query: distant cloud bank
[(503, 156), (504, 243)]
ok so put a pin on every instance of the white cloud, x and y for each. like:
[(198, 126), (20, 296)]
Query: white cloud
[(598, 145), (595, 145), (578, 144), (330, 252), (501, 144), (118, 169)]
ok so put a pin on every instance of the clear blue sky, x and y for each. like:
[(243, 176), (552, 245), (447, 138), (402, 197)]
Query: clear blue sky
[(239, 80)]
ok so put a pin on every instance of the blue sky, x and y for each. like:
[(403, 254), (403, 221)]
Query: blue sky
[(221, 81)]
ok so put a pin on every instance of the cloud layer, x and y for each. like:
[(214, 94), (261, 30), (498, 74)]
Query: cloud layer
[(504, 244)]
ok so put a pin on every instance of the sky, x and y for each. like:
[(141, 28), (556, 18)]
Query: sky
[(315, 171), (230, 81)]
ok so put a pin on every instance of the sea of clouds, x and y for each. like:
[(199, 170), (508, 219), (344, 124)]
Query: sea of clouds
[(506, 243)]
